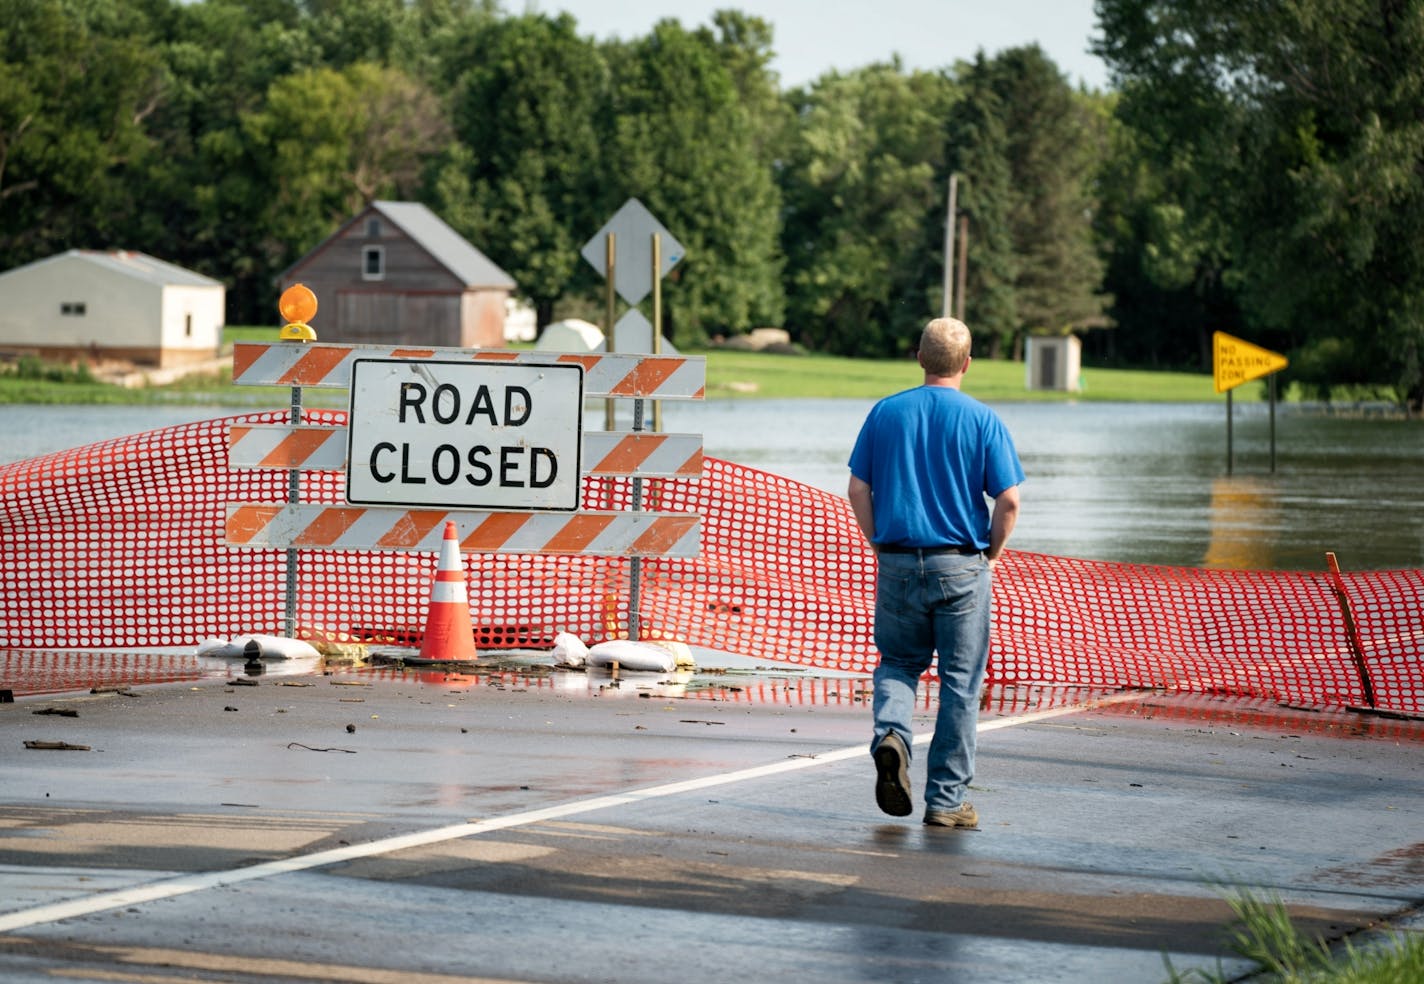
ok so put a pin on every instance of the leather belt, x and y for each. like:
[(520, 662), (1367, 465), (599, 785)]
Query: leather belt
[(895, 548)]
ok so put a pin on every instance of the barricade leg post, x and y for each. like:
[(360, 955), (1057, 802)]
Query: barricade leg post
[(294, 495)]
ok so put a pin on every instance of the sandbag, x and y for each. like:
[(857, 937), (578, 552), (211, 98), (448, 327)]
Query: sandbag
[(270, 647), (569, 650), (661, 656)]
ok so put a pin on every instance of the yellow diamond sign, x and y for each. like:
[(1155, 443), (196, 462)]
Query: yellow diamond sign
[(1235, 362)]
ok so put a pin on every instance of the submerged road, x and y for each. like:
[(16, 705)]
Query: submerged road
[(513, 824)]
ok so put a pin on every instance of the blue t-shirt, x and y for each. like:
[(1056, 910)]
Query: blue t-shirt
[(930, 455)]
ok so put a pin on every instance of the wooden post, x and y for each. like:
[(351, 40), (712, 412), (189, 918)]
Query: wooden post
[(611, 259), (1352, 631), (657, 321), (963, 264)]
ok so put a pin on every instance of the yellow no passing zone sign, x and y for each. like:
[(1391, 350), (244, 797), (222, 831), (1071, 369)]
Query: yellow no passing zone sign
[(1235, 361)]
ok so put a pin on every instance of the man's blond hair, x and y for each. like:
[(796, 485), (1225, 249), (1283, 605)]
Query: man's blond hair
[(944, 346)]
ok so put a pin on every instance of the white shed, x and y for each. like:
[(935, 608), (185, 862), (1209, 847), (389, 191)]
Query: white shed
[(1053, 362), (111, 305)]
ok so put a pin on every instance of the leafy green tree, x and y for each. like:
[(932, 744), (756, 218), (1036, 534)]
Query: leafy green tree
[(1049, 145), (414, 36), (746, 46), (1311, 159), (336, 140), (348, 32), (978, 153), (77, 83), (279, 136), (864, 209), (684, 135), (524, 183), (1168, 262), (205, 196), (429, 37), (323, 143)]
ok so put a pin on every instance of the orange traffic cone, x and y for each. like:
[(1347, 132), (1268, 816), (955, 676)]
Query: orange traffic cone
[(449, 635)]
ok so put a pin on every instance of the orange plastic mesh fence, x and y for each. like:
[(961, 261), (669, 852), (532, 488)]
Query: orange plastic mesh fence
[(119, 546)]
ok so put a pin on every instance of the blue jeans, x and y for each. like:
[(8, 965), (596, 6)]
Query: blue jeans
[(922, 606)]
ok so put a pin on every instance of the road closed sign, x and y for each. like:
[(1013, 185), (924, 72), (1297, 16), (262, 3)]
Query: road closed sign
[(465, 435)]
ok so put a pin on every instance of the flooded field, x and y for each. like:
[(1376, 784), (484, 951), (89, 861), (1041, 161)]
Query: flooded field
[(1136, 483)]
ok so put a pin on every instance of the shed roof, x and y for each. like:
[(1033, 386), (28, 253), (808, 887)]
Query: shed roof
[(447, 246), (140, 266)]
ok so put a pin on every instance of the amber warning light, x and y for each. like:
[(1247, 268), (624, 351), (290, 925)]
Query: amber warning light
[(298, 305)]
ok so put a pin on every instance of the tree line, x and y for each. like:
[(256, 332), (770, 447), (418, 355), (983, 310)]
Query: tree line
[(1254, 169)]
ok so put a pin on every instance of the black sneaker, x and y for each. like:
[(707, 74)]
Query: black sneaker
[(892, 776)]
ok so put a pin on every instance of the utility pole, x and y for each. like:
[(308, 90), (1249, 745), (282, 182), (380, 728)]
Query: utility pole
[(948, 310), (963, 263)]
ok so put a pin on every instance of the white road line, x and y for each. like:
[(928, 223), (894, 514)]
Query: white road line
[(185, 884)]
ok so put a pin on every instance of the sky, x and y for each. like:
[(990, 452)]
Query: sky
[(812, 37)]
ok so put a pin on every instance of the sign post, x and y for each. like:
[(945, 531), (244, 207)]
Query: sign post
[(298, 305), (632, 273), (1234, 362)]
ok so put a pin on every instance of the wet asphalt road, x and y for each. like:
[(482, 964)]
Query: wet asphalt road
[(517, 825)]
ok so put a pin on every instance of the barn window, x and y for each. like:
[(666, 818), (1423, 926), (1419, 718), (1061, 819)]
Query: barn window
[(187, 326), (373, 228), (74, 308), (373, 263)]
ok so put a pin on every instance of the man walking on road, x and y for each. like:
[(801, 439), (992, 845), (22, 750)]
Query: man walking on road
[(925, 464)]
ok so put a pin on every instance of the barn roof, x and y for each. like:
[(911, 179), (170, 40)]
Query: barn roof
[(140, 266), (447, 246)]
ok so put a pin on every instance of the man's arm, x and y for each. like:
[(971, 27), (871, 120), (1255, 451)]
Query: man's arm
[(859, 495), (1001, 524)]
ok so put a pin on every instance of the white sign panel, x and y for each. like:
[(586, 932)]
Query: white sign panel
[(633, 227), (464, 435), (634, 333)]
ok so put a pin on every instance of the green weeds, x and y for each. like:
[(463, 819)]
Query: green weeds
[(1264, 934)]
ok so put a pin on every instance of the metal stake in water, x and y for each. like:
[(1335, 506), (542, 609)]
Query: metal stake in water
[(635, 566), (297, 304)]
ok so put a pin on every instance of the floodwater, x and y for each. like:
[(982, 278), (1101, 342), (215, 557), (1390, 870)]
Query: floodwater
[(1133, 483)]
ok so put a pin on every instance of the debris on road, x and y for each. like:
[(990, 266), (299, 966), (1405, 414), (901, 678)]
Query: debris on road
[(57, 746), (297, 744)]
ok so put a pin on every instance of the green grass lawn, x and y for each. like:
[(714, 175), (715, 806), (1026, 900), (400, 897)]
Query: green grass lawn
[(730, 375), (759, 375)]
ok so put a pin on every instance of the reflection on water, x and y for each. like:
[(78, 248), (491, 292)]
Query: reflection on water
[(1240, 509), (1147, 483), (718, 679), (1135, 483)]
